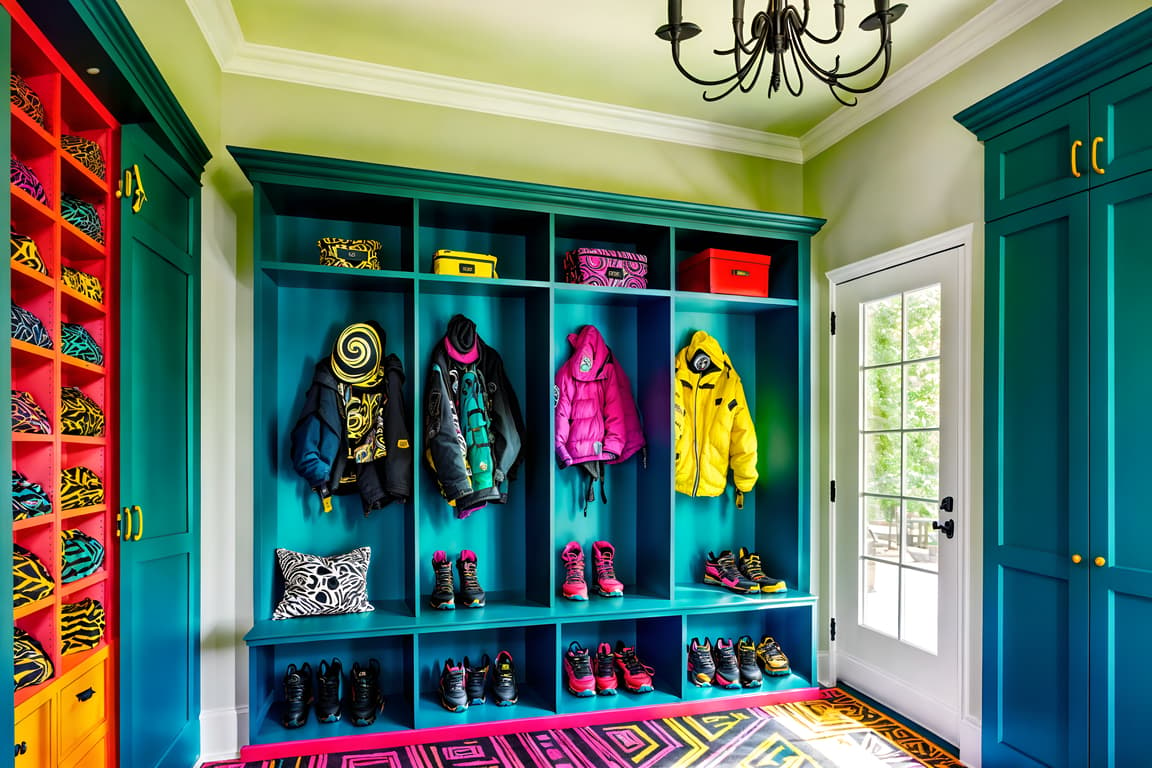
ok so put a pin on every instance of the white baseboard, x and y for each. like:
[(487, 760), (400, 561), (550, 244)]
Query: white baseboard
[(970, 740), (222, 732)]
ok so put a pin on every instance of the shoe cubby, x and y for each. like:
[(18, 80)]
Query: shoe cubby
[(531, 650), (269, 663), (69, 109), (655, 641), (526, 314), (791, 627)]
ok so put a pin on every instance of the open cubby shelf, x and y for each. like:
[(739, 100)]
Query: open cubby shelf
[(661, 537), (70, 108)]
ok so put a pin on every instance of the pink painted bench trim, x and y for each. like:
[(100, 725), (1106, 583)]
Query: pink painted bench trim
[(575, 720)]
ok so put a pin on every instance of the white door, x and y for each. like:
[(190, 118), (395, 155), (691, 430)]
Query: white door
[(898, 412)]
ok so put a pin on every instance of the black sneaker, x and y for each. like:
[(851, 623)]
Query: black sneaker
[(504, 690), (471, 595), (722, 572), (366, 698), (727, 668), (329, 679), (750, 675), (748, 563), (453, 693), (701, 670), (476, 679), (297, 695), (443, 591)]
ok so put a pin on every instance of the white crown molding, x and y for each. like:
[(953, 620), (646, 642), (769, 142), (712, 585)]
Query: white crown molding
[(220, 27), (984, 30)]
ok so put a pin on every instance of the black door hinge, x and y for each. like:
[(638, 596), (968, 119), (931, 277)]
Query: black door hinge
[(833, 324), (832, 491), (832, 630)]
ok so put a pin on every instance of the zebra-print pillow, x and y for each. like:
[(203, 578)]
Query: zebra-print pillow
[(86, 151), (322, 586), (24, 251), (76, 341), (30, 578), (26, 99), (22, 176), (81, 625), (82, 215), (80, 555), (27, 327), (28, 498), (32, 664), (79, 414), (80, 487), (83, 283)]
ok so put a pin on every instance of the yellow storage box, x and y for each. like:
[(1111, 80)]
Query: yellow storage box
[(463, 263)]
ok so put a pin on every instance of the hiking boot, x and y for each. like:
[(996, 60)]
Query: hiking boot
[(772, 659), (575, 588), (607, 584), (476, 679), (605, 670), (297, 695), (329, 682), (453, 695), (750, 676), (471, 595), (504, 690), (366, 700), (748, 563), (701, 670), (727, 668), (722, 572), (443, 591), (578, 676), (636, 674)]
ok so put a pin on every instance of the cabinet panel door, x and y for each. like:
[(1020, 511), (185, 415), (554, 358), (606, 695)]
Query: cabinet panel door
[(1036, 488), (1033, 164), (1121, 416), (1121, 114), (160, 563)]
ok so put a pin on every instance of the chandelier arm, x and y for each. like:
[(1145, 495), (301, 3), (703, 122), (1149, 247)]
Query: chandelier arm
[(738, 79), (801, 25), (796, 65), (874, 85), (692, 77), (834, 74)]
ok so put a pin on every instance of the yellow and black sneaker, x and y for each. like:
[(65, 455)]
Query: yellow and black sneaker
[(771, 658), (748, 564)]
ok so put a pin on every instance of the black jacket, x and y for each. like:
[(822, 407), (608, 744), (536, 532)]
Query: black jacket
[(444, 441), (321, 452)]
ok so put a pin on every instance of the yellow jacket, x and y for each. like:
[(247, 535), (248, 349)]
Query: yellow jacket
[(713, 426)]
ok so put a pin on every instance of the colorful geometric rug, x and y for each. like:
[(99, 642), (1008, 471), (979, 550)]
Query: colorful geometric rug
[(836, 730)]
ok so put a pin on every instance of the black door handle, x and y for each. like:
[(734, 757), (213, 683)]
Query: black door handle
[(949, 527), (89, 693), (946, 504)]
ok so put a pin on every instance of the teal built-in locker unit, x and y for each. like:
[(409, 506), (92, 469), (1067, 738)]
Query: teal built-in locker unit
[(1068, 412), (661, 537)]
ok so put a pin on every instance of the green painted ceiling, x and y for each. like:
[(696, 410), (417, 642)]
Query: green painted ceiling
[(600, 50)]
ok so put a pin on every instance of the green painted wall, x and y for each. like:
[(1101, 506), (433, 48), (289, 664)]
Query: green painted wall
[(914, 173)]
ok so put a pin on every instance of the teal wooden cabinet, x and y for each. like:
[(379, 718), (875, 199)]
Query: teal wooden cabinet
[(1067, 577), (661, 538)]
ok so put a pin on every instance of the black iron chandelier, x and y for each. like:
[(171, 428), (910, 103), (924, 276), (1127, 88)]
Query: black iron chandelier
[(780, 32)]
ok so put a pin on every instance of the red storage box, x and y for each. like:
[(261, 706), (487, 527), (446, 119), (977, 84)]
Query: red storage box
[(718, 271)]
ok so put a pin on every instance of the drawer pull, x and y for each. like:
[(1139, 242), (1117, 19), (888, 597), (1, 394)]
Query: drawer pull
[(740, 273), (1075, 146), (21, 748), (85, 695), (1096, 142)]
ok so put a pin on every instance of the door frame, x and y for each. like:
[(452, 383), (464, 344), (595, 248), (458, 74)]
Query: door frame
[(971, 533)]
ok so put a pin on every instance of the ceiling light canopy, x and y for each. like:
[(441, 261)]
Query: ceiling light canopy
[(780, 32)]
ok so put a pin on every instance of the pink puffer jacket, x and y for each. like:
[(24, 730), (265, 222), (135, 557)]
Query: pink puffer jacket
[(596, 416)]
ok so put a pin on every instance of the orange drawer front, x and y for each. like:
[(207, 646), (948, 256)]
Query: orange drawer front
[(82, 706), (34, 738), (95, 756)]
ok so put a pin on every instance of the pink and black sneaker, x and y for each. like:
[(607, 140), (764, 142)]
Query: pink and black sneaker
[(727, 667), (636, 674), (605, 671), (578, 676), (575, 588), (722, 572), (701, 669), (607, 584)]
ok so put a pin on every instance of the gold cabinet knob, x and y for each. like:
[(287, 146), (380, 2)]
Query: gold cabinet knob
[(1076, 559), (1100, 562)]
